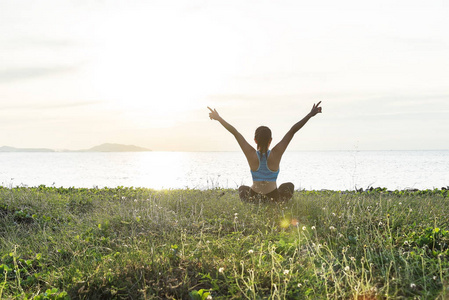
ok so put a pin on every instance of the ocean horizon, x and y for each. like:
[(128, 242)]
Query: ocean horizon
[(309, 170)]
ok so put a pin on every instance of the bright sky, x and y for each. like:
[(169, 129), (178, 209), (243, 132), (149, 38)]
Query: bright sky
[(75, 74)]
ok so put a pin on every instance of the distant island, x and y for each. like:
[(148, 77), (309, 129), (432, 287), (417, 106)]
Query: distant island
[(107, 147), (116, 148), (12, 149)]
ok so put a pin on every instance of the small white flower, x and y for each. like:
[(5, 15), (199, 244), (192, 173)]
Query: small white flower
[(251, 251), (236, 214), (209, 297), (380, 223), (304, 228), (286, 272), (347, 268), (410, 210), (434, 278), (334, 214), (332, 228), (299, 285), (400, 203), (313, 227), (412, 285), (221, 270)]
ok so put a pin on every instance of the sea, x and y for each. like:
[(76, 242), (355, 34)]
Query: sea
[(307, 170)]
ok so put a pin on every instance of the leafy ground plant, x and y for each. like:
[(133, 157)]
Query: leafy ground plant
[(135, 243)]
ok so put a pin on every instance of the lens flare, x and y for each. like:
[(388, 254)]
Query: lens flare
[(294, 222), (285, 223)]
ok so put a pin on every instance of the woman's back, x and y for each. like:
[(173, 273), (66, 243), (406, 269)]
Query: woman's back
[(264, 172)]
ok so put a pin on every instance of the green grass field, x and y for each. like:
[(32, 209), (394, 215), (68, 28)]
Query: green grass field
[(132, 243)]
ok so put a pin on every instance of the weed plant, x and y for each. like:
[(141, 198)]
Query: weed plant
[(135, 243)]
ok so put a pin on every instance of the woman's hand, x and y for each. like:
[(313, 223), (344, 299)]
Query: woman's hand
[(315, 109), (213, 115)]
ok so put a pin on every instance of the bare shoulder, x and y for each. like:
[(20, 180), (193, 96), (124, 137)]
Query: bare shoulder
[(274, 159), (276, 153), (253, 160)]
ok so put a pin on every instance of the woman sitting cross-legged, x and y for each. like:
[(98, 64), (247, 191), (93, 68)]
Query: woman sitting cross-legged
[(264, 163)]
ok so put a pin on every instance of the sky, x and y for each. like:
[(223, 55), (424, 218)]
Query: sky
[(76, 74)]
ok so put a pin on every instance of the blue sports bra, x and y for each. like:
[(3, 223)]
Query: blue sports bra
[(263, 173)]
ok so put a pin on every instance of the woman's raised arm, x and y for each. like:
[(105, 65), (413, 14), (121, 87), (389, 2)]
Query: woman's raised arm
[(280, 148), (248, 150)]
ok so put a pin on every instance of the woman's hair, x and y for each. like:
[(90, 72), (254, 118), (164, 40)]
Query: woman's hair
[(263, 138)]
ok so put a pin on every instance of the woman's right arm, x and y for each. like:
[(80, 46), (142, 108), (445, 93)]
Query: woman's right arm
[(247, 149)]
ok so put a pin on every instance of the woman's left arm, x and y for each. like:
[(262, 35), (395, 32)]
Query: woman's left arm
[(280, 148)]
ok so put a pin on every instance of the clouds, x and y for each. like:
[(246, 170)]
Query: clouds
[(128, 71), (19, 74), (35, 42), (368, 121)]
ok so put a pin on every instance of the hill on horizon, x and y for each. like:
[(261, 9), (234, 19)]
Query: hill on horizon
[(13, 149), (108, 147)]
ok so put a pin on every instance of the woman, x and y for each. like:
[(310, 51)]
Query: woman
[(264, 164)]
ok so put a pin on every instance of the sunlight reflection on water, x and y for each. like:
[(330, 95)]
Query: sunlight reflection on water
[(335, 170)]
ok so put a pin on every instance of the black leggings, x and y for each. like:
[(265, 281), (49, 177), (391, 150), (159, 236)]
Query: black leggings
[(283, 193)]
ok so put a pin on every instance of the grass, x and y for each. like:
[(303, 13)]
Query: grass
[(133, 243)]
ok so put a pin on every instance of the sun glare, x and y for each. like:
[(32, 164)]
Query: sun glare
[(155, 68)]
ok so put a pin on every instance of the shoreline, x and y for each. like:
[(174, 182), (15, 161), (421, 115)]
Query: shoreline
[(361, 190)]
